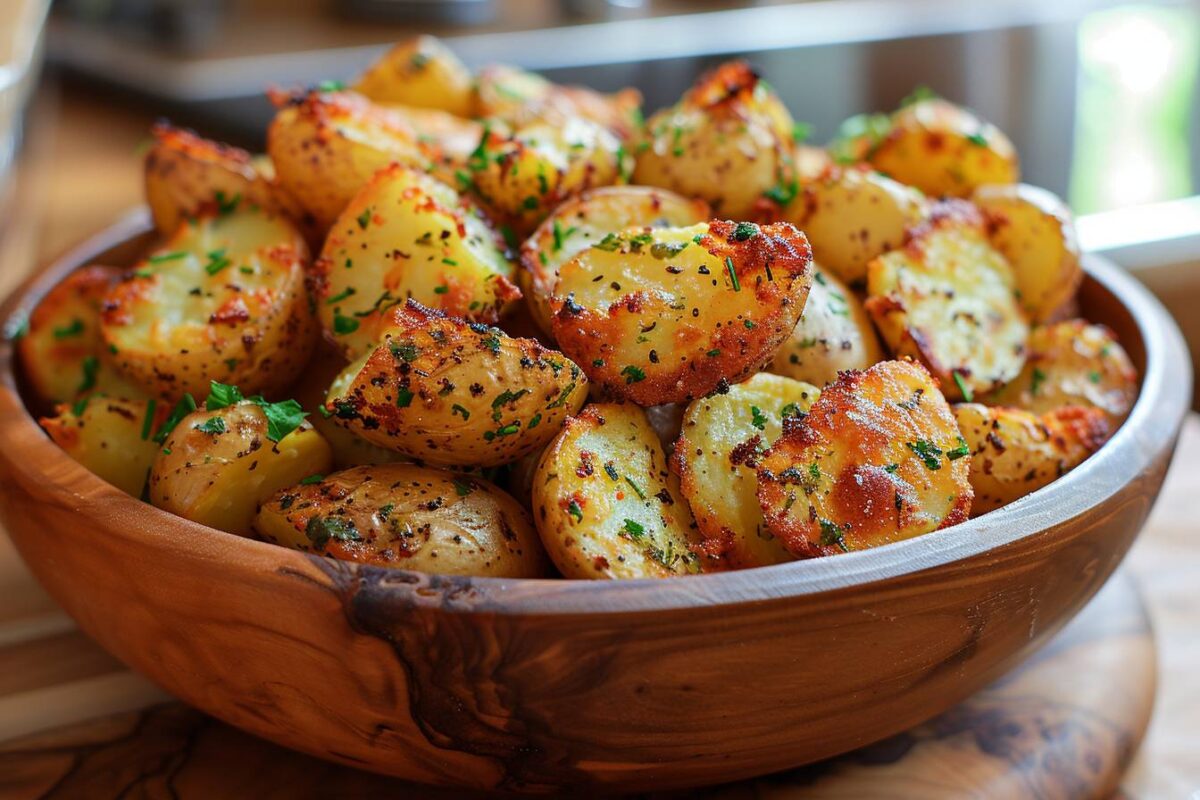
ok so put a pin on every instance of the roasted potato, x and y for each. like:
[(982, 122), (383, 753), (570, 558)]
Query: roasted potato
[(1073, 363), (327, 145), (420, 72), (223, 299), (216, 466), (582, 221), (666, 315), (728, 141), (522, 177), (187, 175), (450, 393), (111, 436), (877, 459), (716, 459), (606, 505), (407, 235), (851, 215), (447, 139), (60, 349), (944, 149), (833, 334), (947, 298), (1035, 231), (518, 97), (409, 517), (1015, 452)]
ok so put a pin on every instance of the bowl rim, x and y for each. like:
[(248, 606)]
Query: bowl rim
[(1151, 428)]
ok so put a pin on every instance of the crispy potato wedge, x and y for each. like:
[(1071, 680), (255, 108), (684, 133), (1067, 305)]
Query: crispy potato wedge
[(111, 436), (944, 149), (408, 517), (1016, 452), (851, 215), (216, 467), (666, 315), (518, 98), (522, 177), (716, 459), (1035, 231), (223, 299), (947, 298), (327, 145), (728, 141), (407, 235), (1073, 363), (582, 221), (420, 72), (833, 334), (877, 459), (450, 393), (605, 503), (60, 349)]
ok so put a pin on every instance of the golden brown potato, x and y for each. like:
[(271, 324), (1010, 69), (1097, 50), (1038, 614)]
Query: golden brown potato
[(407, 235), (851, 215), (947, 298), (605, 504), (223, 299), (327, 145), (582, 221), (420, 72), (217, 465), (716, 459), (60, 348), (519, 97), (1073, 363), (1035, 231), (944, 149), (447, 139), (111, 436), (833, 334), (728, 141), (408, 517), (1016, 452), (522, 177), (877, 459), (187, 175), (449, 393), (666, 315)]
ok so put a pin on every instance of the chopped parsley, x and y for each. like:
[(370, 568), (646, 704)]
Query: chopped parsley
[(641, 495), (967, 394), (744, 230), (217, 261), (633, 374), (404, 397), (213, 425), (633, 528), (91, 367), (343, 325), (161, 257), (311, 479), (927, 451), (575, 511), (364, 219), (462, 488), (320, 530), (960, 451), (801, 131), (757, 418), (340, 296), (148, 420), (457, 409), (67, 331), (832, 534), (733, 276), (185, 406), (1037, 378)]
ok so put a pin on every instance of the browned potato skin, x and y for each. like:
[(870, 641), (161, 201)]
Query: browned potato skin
[(408, 517), (1016, 452), (63, 332), (863, 423), (453, 394), (588, 335), (519, 97), (420, 72), (106, 437)]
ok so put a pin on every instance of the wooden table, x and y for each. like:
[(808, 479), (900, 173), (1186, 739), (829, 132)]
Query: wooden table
[(80, 171)]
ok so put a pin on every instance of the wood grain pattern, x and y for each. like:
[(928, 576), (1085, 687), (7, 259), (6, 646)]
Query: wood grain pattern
[(1039, 732), (536, 685)]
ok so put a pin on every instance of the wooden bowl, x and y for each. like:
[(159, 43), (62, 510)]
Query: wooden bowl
[(540, 684)]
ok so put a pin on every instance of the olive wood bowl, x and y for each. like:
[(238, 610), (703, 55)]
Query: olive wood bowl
[(534, 685)]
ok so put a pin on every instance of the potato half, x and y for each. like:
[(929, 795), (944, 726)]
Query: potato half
[(666, 315), (420, 72), (408, 236), (215, 467), (1036, 233), (408, 517), (877, 459), (454, 394), (716, 459), (606, 505), (947, 298), (1073, 363), (223, 299), (833, 334), (582, 221), (518, 97), (111, 436), (1015, 452)]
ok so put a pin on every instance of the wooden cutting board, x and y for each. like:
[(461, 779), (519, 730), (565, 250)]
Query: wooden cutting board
[(1064, 725)]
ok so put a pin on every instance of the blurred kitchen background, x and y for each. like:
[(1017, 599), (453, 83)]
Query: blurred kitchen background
[(1101, 98)]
